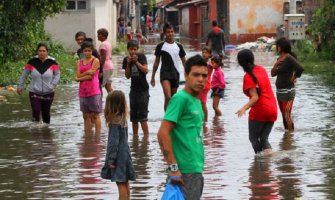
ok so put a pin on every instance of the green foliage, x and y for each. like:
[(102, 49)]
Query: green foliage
[(150, 4), (323, 27), (22, 26), (120, 49), (315, 63), (11, 71)]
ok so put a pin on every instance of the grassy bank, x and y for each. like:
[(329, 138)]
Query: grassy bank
[(315, 63), (11, 71)]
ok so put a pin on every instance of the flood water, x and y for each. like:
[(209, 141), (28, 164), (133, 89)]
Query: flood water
[(59, 162)]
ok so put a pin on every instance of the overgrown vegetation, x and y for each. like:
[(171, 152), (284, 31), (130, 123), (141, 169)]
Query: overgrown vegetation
[(315, 63), (317, 54), (22, 28), (322, 30), (120, 49)]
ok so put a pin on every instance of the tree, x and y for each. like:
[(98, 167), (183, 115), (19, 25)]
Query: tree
[(150, 4), (323, 26), (22, 26)]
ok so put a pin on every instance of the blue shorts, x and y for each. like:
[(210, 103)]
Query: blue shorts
[(217, 92)]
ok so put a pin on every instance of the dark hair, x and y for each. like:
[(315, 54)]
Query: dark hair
[(41, 44), (167, 26), (285, 46), (246, 59), (80, 33), (214, 23), (132, 43), (217, 59), (103, 32), (206, 48), (193, 61), (88, 43)]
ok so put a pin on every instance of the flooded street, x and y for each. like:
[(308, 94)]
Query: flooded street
[(59, 162)]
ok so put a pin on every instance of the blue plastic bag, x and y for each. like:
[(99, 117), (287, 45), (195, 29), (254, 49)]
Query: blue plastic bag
[(172, 192)]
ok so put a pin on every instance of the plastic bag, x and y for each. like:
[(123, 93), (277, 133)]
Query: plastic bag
[(172, 192)]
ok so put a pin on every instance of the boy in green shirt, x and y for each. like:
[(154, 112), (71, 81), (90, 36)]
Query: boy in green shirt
[(180, 135)]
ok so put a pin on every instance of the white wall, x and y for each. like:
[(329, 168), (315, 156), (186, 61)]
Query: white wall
[(65, 25), (102, 14), (184, 21), (255, 16), (106, 17)]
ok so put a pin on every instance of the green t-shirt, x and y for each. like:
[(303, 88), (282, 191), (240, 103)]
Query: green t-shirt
[(187, 137)]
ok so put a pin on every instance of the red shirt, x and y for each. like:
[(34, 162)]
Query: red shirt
[(265, 109), (209, 77)]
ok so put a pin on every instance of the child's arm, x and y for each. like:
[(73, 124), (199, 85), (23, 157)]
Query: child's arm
[(82, 77), (113, 146), (95, 67), (253, 99), (126, 63), (88, 72), (143, 67)]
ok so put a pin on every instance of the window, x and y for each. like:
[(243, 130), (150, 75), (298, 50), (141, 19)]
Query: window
[(204, 13), (77, 5), (286, 8)]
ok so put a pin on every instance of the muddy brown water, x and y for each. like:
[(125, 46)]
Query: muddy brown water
[(59, 162)]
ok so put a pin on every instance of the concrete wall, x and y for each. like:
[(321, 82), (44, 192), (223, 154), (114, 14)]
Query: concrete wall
[(184, 21), (106, 17), (101, 14), (64, 26), (250, 19)]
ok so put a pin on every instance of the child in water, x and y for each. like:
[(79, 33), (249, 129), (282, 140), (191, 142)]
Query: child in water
[(206, 54), (218, 84), (118, 165)]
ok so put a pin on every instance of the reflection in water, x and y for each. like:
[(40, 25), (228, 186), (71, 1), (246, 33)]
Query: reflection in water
[(57, 162), (140, 161), (43, 153), (263, 184), (330, 163), (214, 162), (289, 182), (89, 163)]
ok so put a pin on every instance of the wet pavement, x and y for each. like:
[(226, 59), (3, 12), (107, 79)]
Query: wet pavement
[(59, 162)]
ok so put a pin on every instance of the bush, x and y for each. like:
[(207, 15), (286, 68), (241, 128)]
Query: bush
[(11, 71)]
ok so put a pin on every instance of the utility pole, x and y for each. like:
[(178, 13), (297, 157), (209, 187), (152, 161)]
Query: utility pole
[(138, 13)]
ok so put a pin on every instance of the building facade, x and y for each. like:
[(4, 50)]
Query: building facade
[(83, 15), (242, 20)]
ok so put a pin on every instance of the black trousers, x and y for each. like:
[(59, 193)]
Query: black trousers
[(41, 103), (259, 134)]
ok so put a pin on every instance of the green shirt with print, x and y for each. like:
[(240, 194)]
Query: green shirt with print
[(187, 137)]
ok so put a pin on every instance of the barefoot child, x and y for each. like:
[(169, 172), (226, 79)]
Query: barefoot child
[(218, 84), (118, 165), (89, 88), (136, 69), (206, 55)]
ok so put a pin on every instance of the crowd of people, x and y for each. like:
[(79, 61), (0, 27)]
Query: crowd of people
[(181, 131)]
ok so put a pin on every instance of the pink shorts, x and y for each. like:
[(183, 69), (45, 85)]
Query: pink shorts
[(203, 96)]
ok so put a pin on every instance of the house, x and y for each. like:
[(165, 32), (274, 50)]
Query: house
[(83, 15), (242, 20), (167, 12)]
